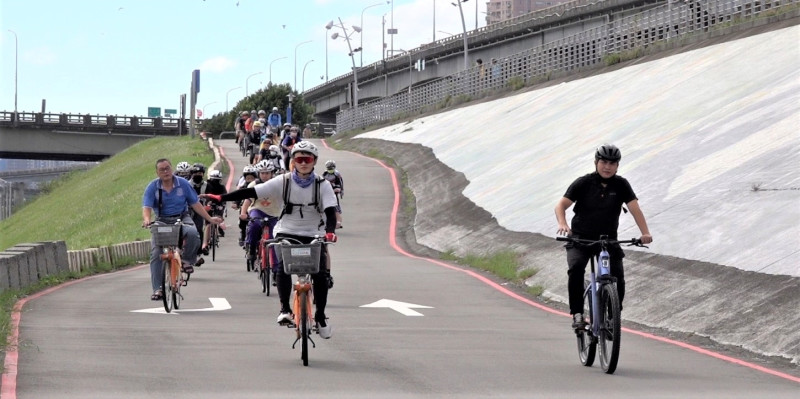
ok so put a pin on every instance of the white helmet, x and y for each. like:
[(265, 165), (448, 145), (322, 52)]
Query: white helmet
[(249, 170), (183, 167), (306, 146), (274, 148), (214, 175), (331, 164), (261, 165), (275, 109)]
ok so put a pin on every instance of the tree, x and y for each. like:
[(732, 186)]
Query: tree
[(263, 99)]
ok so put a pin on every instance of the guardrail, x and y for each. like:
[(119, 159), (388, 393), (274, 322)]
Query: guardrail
[(53, 120), (594, 47)]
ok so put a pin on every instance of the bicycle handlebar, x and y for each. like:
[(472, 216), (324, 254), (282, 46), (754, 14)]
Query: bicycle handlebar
[(290, 241), (632, 242)]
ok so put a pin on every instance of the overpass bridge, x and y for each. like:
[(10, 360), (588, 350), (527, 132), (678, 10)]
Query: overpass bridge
[(70, 137), (532, 48), (445, 57)]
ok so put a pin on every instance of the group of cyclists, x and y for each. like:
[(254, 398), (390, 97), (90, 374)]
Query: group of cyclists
[(278, 191), (282, 193)]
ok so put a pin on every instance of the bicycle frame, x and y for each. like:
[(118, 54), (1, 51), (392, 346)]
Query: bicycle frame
[(593, 289)]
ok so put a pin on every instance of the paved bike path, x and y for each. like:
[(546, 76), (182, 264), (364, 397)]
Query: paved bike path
[(475, 340)]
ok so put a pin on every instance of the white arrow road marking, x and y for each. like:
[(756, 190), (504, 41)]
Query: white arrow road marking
[(216, 304), (402, 307)]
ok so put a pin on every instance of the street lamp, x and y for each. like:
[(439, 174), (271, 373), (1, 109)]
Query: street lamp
[(289, 110), (464, 27), (204, 109), (16, 69), (362, 27), (328, 26), (247, 81), (304, 75), (226, 97), (335, 35), (270, 67), (295, 62)]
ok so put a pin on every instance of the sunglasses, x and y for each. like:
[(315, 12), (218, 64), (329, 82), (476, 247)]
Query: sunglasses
[(303, 159)]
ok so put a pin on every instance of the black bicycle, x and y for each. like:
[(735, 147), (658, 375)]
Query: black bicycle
[(605, 324)]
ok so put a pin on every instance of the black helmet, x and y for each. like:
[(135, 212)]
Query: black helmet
[(608, 152), (198, 167)]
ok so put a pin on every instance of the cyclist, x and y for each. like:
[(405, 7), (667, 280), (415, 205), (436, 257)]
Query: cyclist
[(249, 174), (184, 170), (309, 204), (332, 175), (274, 119), (239, 125), (214, 186), (288, 142), (254, 138), (273, 156), (258, 208), (170, 197), (598, 199), (262, 117), (199, 185)]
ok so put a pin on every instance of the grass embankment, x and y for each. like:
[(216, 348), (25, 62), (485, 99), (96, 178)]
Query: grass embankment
[(93, 208), (101, 206), (503, 264)]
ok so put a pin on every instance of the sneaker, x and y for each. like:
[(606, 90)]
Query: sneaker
[(199, 262), (285, 318), (578, 323), (274, 279), (221, 232), (330, 280), (324, 328), (204, 251)]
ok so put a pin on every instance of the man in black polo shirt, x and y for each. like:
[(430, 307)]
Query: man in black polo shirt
[(598, 199)]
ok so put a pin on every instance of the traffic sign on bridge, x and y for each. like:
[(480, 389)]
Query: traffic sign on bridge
[(154, 112)]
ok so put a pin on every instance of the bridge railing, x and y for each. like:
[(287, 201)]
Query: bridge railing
[(619, 38), (53, 120)]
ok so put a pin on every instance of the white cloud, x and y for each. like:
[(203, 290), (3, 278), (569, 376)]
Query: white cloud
[(217, 64)]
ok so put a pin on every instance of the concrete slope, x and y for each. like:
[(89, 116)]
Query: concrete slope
[(709, 138)]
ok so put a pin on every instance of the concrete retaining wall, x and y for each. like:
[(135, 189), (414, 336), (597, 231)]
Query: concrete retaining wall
[(25, 264)]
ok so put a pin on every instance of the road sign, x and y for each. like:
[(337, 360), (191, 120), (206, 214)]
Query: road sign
[(154, 112), (391, 31), (170, 111), (401, 307)]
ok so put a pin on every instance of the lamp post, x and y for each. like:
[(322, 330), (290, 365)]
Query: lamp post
[(289, 110), (247, 81), (16, 69), (204, 109), (270, 67), (464, 27), (304, 75), (335, 35), (328, 26), (226, 97), (362, 27), (295, 62)]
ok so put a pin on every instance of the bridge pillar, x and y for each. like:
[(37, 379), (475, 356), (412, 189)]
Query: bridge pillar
[(158, 122), (134, 122), (62, 119), (111, 120), (39, 117), (87, 120)]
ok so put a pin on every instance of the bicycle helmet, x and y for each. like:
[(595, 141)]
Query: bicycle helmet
[(198, 168), (214, 175), (257, 124), (273, 149), (262, 112), (274, 109), (608, 152), (331, 164), (183, 167), (249, 170), (244, 113), (265, 166), (307, 147)]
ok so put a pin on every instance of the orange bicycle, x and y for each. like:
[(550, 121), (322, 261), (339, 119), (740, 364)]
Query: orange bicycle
[(301, 260), (168, 237)]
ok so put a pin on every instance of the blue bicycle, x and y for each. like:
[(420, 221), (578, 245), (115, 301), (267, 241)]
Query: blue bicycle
[(605, 324)]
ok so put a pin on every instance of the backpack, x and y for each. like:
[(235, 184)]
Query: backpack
[(288, 207)]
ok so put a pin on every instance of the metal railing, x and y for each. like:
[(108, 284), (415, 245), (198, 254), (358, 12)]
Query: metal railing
[(51, 120), (589, 48)]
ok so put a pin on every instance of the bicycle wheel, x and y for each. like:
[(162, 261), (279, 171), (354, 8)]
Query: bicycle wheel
[(264, 276), (304, 326), (610, 328), (177, 282), (166, 285), (587, 344), (213, 243)]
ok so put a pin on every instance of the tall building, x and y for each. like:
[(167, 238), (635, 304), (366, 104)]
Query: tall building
[(501, 10)]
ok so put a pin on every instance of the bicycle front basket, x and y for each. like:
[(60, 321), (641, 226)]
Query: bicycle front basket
[(301, 258), (166, 234)]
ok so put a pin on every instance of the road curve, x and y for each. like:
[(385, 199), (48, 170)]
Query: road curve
[(474, 338)]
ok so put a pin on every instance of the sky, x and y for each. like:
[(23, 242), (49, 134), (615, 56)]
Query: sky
[(119, 57)]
